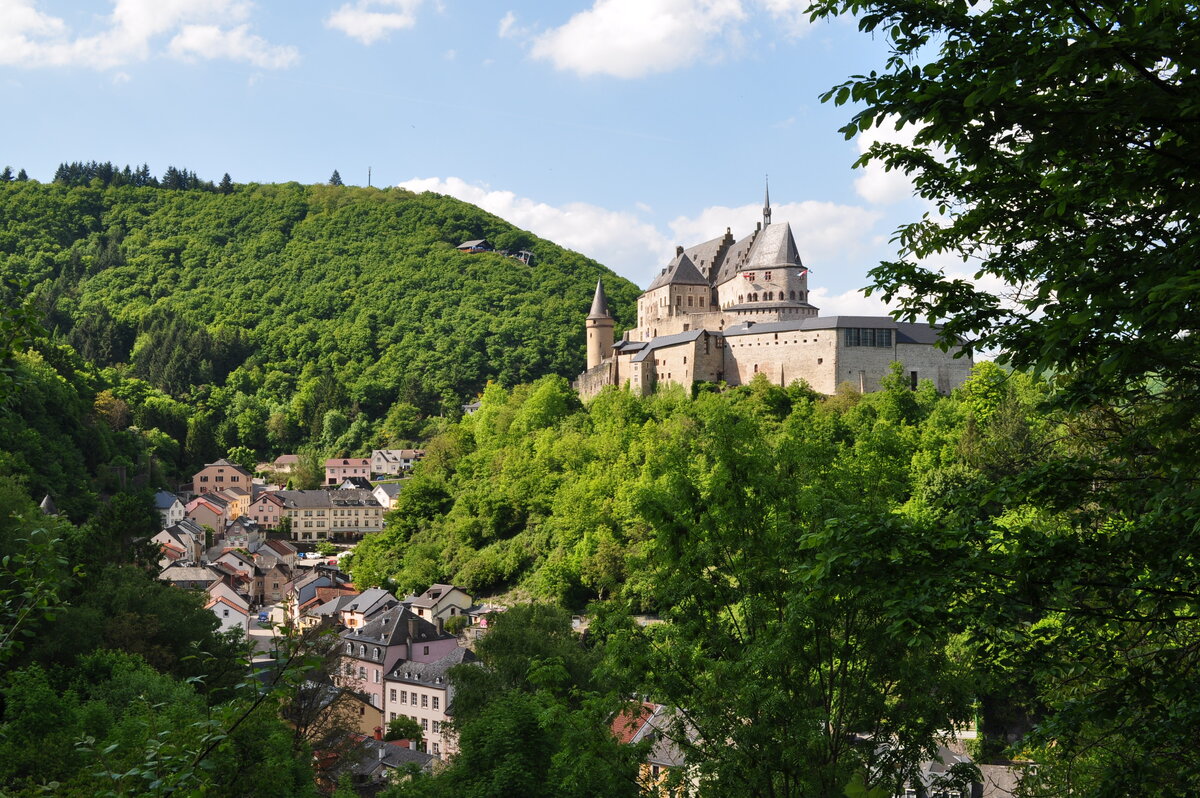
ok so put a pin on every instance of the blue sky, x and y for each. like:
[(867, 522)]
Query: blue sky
[(618, 128)]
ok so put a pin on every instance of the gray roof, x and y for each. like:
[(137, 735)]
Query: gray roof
[(669, 340), (680, 271), (431, 673), (195, 573), (163, 500), (333, 606), (370, 601), (390, 628), (707, 257), (629, 346), (599, 303), (378, 756), (774, 247), (738, 252), (234, 466), (313, 499), (390, 489)]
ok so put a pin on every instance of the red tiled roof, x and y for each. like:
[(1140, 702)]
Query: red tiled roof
[(628, 721)]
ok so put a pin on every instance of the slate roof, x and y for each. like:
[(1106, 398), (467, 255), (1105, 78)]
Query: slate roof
[(227, 464), (669, 340), (774, 247), (378, 757), (371, 601), (599, 303), (390, 489), (324, 499), (163, 500), (680, 271), (390, 628), (431, 674)]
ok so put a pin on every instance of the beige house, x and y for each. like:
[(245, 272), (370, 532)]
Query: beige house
[(238, 502), (339, 515), (727, 311), (220, 475), (439, 602), (394, 462), (339, 468)]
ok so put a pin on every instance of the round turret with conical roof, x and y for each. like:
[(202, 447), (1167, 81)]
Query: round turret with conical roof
[(599, 329)]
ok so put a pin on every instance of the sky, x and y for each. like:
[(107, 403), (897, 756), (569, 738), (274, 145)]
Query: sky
[(617, 128)]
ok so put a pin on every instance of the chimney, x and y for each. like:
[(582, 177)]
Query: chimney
[(412, 627), (378, 732), (678, 249), (441, 627)]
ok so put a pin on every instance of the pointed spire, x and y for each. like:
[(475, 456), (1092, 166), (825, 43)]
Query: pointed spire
[(767, 203), (599, 303)]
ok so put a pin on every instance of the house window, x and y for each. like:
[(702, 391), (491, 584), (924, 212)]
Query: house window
[(424, 701), (349, 648), (362, 673), (425, 724), (377, 676), (412, 698), (376, 652), (349, 669), (391, 716), (403, 697), (435, 727), (392, 697), (435, 749), (435, 704), (427, 650)]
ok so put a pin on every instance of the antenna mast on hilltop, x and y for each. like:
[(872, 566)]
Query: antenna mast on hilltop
[(368, 177)]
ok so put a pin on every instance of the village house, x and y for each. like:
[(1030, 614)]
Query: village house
[(266, 510), (337, 515), (385, 493), (220, 475), (310, 590), (237, 502), (439, 602), (656, 723), (422, 691), (231, 609), (393, 462), (365, 606), (189, 577), (394, 635), (180, 542), (338, 468), (170, 507), (208, 510)]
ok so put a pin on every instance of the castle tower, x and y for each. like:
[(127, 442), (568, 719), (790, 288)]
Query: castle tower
[(599, 329)]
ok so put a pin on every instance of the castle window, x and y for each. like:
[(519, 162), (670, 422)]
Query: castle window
[(689, 301), (741, 299), (766, 275), (701, 302), (791, 294)]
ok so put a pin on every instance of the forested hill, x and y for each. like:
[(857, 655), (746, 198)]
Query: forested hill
[(298, 299)]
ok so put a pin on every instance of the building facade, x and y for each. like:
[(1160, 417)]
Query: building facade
[(336, 515), (729, 310)]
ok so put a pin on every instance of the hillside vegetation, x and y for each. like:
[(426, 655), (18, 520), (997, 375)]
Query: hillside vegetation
[(275, 314)]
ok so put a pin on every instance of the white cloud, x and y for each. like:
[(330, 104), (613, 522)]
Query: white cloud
[(237, 44), (31, 38), (617, 239), (120, 77), (792, 13), (509, 28), (876, 185), (372, 20), (633, 38), (849, 303)]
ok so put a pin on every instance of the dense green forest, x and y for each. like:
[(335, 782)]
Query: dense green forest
[(274, 316)]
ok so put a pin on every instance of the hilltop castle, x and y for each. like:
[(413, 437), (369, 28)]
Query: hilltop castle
[(728, 310)]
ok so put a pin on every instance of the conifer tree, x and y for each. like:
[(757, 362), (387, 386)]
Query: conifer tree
[(226, 186), (22, 176), (335, 179), (7, 174)]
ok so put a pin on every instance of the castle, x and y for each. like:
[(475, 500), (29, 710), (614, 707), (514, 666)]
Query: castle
[(726, 311)]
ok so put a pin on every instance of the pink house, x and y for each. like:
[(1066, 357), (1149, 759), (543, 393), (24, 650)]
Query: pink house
[(339, 468), (390, 637), (266, 510)]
